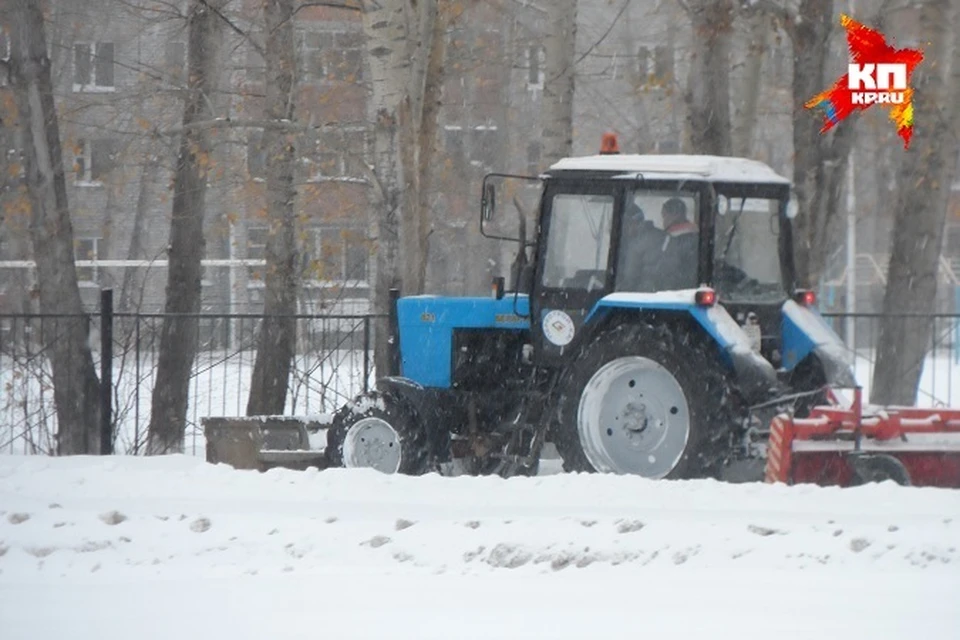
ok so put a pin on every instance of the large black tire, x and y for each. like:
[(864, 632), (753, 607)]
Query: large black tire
[(388, 430), (808, 376), (695, 366)]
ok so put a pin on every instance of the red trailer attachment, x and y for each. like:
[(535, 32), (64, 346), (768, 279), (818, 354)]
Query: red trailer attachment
[(846, 446)]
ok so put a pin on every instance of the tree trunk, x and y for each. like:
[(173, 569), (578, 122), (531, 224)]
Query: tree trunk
[(925, 173), (178, 338), (131, 287), (275, 346), (427, 144), (748, 96), (398, 47), (560, 46), (75, 383), (708, 85), (820, 161)]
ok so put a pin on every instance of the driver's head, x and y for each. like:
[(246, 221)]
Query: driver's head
[(674, 211), (635, 213)]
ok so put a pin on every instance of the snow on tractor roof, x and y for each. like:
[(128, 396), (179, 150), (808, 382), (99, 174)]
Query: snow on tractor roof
[(709, 168)]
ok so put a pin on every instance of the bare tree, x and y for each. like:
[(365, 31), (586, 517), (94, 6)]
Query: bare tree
[(76, 387), (925, 173), (708, 83), (558, 85), (747, 98), (819, 161), (399, 42), (271, 370), (178, 339)]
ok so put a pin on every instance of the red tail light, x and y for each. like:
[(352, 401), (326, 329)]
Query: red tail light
[(706, 297), (805, 297)]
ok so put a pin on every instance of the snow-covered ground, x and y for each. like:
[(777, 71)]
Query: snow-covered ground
[(173, 547)]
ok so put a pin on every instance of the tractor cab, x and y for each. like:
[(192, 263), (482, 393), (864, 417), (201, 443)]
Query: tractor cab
[(653, 230)]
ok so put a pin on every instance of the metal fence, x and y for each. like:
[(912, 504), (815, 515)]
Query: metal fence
[(940, 374), (333, 362)]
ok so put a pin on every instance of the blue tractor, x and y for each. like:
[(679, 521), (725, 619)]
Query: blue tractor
[(649, 322)]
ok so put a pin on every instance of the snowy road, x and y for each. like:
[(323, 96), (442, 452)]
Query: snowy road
[(175, 548)]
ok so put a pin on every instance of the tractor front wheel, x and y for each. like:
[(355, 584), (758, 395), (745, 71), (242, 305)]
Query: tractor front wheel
[(381, 432), (648, 401)]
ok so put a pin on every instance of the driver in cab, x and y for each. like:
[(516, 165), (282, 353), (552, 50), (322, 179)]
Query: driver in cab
[(680, 247)]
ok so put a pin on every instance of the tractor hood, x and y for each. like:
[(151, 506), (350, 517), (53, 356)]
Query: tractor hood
[(427, 324)]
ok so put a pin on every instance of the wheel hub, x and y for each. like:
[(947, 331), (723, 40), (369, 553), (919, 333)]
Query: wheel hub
[(633, 418), (372, 442)]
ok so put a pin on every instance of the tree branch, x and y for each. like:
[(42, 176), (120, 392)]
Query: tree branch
[(332, 5), (229, 123), (772, 8), (234, 27)]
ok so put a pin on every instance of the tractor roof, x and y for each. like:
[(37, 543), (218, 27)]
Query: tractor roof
[(671, 167)]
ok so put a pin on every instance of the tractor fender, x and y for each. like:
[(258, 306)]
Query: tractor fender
[(756, 377), (410, 391), (804, 333), (421, 399)]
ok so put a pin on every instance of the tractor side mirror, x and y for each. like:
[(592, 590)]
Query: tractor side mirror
[(723, 205), (489, 204), (793, 207)]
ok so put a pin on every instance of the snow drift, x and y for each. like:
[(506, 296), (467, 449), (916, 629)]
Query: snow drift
[(195, 548)]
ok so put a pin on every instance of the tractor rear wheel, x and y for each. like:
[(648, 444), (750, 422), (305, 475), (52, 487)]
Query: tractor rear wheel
[(644, 400), (381, 432)]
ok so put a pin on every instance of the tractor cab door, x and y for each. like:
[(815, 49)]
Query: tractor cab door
[(573, 268)]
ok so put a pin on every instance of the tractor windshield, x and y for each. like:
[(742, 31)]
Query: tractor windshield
[(747, 259)]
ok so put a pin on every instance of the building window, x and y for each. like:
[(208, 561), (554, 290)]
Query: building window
[(536, 59), (533, 158), (256, 156), (654, 66), (333, 56), (478, 143), (669, 145), (256, 66), (483, 145), (338, 254), (174, 59), (93, 66), (86, 249), (663, 63), (94, 159), (643, 65), (256, 250), (337, 154)]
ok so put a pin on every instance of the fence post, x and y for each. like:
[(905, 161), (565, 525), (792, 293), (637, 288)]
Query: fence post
[(393, 339), (106, 371), (366, 354)]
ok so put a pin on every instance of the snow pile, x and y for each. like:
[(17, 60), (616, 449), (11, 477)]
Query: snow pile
[(356, 553)]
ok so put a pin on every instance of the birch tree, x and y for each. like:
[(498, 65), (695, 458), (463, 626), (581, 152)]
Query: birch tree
[(275, 346), (819, 161), (925, 173), (558, 86), (399, 41), (179, 334), (75, 383), (747, 98), (708, 84)]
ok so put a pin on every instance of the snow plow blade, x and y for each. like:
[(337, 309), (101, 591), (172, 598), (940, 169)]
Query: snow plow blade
[(849, 446)]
